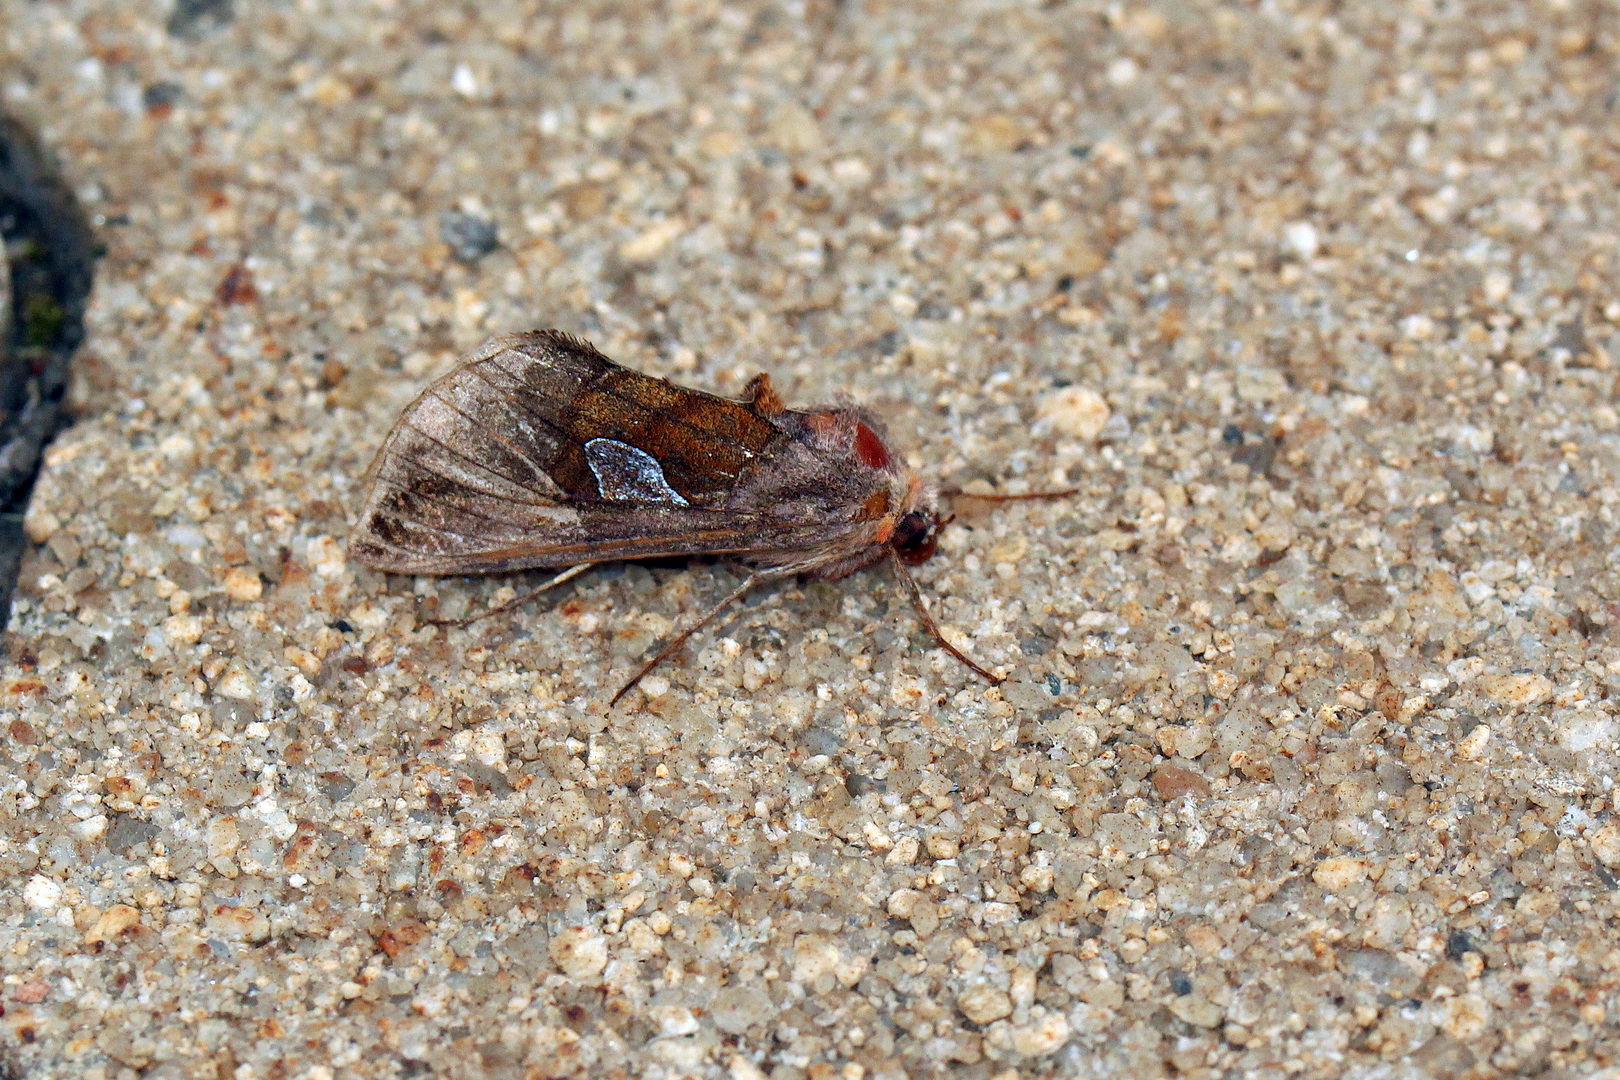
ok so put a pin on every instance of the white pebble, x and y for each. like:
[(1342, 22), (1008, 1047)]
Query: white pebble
[(183, 629), (982, 1004), (1473, 745), (580, 952), (1605, 841), (42, 894), (1336, 875), (1301, 238), (1041, 1037), (654, 240), (1587, 731), (1076, 411), (1519, 689)]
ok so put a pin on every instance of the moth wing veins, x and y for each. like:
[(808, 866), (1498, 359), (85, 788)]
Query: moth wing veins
[(461, 484)]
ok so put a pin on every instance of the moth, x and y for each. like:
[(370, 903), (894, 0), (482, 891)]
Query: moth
[(540, 452)]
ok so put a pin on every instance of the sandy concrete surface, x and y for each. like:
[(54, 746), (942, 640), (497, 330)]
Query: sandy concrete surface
[(1305, 761)]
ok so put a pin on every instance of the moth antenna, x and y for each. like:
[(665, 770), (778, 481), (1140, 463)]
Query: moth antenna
[(927, 618), (679, 639), (566, 575), (958, 493)]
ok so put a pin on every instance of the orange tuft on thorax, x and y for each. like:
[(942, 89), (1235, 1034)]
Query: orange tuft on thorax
[(877, 506)]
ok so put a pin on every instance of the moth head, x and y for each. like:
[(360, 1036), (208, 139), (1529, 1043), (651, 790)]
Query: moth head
[(916, 535)]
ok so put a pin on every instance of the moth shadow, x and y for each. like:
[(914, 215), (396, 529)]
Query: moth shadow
[(534, 597)]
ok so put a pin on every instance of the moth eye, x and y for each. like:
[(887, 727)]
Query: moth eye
[(915, 536), (625, 473)]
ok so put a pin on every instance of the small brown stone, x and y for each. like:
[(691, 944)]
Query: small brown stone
[(396, 939), (1173, 781), (31, 993), (111, 923)]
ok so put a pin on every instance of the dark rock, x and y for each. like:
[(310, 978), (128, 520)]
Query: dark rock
[(470, 238)]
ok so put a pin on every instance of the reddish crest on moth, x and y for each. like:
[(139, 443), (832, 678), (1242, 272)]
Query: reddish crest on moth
[(538, 451)]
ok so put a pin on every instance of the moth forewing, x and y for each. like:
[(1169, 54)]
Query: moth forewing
[(538, 451)]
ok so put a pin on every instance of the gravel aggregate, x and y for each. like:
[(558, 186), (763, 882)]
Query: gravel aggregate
[(1304, 765)]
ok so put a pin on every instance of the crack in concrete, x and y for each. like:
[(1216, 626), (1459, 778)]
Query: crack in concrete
[(49, 268)]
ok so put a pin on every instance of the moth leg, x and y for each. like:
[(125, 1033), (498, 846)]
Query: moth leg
[(687, 631), (567, 575), (923, 613), (763, 398)]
